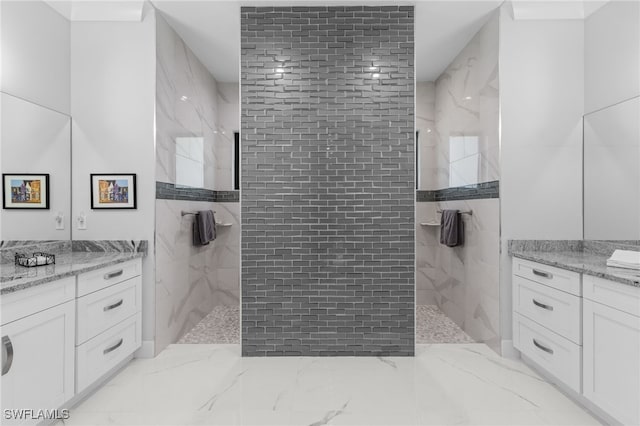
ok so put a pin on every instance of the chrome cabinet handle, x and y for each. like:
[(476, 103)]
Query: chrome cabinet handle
[(113, 274), (542, 305), (113, 306), (114, 347), (7, 354), (542, 347), (542, 274)]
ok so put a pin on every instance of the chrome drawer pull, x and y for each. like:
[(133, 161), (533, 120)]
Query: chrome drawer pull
[(115, 305), (7, 354), (114, 347), (542, 305), (542, 347), (542, 274), (113, 274)]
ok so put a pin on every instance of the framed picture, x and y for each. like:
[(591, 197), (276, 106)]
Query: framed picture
[(25, 191), (113, 191)]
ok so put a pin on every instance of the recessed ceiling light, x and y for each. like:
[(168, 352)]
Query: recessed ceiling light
[(184, 98)]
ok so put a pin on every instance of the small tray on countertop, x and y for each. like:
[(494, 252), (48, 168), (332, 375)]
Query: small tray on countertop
[(37, 259)]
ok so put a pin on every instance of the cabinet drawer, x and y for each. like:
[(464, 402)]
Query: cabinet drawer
[(556, 310), (97, 356), (105, 277), (557, 355), (103, 309), (620, 296), (560, 279), (26, 302)]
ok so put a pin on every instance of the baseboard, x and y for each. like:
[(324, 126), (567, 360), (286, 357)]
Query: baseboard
[(147, 350), (508, 350)]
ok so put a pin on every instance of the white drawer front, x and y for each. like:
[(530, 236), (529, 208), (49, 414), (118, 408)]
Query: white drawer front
[(105, 277), (556, 310), (103, 309), (560, 279), (620, 296), (557, 355), (105, 351), (26, 302)]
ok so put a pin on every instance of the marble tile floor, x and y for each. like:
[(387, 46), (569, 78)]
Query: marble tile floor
[(433, 326), (222, 325), (441, 385)]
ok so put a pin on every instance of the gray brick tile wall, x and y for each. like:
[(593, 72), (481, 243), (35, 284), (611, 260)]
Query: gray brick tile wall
[(327, 181)]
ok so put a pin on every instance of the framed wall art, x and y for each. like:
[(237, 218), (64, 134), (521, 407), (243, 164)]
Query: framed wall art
[(113, 191), (25, 191)]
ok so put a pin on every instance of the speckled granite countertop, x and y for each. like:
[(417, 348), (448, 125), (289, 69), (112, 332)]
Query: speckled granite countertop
[(68, 263), (579, 259)]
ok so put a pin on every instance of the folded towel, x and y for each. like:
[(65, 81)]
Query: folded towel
[(625, 259), (451, 228), (204, 228)]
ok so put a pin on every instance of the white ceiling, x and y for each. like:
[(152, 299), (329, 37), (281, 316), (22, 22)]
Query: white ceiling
[(212, 30)]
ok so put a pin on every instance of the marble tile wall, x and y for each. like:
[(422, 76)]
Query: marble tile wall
[(191, 281), (462, 281), (186, 104), (466, 113)]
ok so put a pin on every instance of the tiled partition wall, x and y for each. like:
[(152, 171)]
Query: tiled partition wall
[(462, 108), (190, 280), (327, 181)]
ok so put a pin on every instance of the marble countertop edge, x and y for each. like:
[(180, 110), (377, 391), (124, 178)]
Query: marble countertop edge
[(584, 263), (69, 265)]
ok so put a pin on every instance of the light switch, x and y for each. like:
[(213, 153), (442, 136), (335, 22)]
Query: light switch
[(59, 218), (82, 221)]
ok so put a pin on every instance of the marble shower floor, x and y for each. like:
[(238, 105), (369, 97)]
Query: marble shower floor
[(222, 325), (433, 326), (213, 385)]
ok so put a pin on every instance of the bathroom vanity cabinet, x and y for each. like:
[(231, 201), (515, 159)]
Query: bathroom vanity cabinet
[(584, 331), (38, 348), (62, 337), (611, 332)]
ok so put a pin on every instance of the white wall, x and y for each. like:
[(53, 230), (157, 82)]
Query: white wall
[(35, 53), (612, 54), (113, 109), (541, 103)]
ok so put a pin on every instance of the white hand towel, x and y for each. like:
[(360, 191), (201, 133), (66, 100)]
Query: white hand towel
[(625, 259)]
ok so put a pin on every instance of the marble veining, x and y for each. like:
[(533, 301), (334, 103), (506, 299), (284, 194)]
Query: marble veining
[(191, 281), (462, 281), (15, 278), (583, 262), (121, 246), (458, 117), (10, 247), (464, 384)]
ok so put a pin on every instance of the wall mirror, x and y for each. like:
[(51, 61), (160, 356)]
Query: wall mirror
[(35, 142), (611, 200)]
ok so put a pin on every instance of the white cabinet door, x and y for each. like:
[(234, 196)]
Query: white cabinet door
[(38, 360), (611, 380)]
